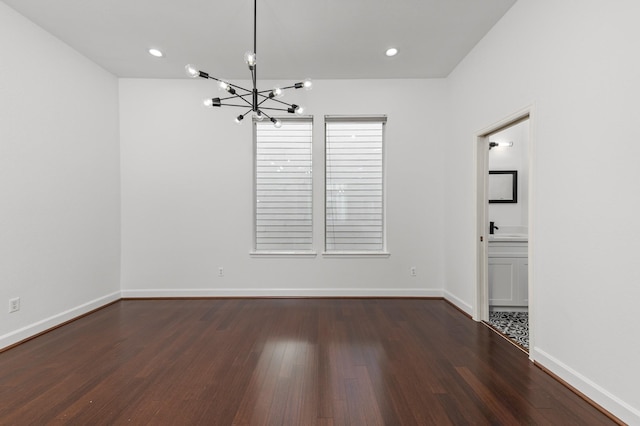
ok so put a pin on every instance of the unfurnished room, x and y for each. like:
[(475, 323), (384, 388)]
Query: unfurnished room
[(319, 213)]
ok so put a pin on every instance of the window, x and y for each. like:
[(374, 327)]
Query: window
[(354, 184), (283, 180)]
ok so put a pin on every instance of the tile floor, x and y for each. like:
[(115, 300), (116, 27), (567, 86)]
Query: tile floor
[(514, 325)]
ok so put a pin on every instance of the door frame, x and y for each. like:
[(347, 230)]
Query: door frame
[(481, 305)]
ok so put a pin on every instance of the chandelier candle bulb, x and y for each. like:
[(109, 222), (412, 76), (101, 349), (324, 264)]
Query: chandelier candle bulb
[(226, 86), (276, 123), (192, 71), (307, 84), (295, 109), (250, 59), (212, 102)]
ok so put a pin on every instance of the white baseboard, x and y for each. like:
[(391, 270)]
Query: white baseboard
[(596, 393), (48, 323), (462, 305), (282, 292)]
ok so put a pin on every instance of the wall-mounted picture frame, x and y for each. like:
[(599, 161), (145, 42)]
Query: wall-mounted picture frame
[(503, 186)]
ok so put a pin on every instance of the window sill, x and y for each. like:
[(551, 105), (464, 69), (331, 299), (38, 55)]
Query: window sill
[(355, 254), (283, 254)]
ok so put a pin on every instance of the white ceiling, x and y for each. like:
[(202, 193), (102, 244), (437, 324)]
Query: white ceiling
[(321, 39)]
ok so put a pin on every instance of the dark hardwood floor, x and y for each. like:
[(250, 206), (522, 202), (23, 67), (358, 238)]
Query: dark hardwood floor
[(281, 362)]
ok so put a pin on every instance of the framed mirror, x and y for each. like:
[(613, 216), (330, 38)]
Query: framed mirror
[(503, 186)]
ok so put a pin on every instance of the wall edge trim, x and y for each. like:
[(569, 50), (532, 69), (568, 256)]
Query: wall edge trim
[(591, 390), (458, 303), (30, 331), (281, 292)]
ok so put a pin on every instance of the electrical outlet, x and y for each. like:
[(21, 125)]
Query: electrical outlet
[(14, 304), (221, 271), (412, 271)]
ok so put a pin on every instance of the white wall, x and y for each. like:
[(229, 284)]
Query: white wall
[(59, 181), (577, 63), (187, 193), (515, 157)]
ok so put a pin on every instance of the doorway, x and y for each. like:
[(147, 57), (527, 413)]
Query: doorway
[(503, 227)]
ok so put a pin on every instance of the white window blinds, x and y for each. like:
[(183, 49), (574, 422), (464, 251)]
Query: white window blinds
[(354, 184), (283, 194)]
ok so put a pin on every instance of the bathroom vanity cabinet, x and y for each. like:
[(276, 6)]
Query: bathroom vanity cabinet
[(508, 273)]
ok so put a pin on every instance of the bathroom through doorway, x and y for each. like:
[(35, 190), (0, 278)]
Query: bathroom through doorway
[(503, 293)]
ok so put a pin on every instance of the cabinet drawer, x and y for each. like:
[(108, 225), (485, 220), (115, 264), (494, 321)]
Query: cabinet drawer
[(502, 249)]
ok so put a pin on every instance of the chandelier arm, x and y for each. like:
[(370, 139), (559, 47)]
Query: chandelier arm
[(242, 97), (271, 90), (230, 84), (238, 87), (265, 114), (278, 109), (282, 88), (289, 87), (237, 96), (275, 100), (274, 109), (234, 105), (263, 101)]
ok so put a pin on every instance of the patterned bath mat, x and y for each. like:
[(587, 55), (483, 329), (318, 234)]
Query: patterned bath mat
[(514, 325)]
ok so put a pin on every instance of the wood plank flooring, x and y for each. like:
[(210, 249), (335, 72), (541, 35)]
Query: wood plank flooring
[(280, 362)]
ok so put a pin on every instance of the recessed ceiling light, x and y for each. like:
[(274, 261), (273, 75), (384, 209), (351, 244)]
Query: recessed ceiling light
[(391, 52), (156, 53)]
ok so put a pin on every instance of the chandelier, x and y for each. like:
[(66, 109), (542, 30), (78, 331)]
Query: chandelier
[(257, 101)]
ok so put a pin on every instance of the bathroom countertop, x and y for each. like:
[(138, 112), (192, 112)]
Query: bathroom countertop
[(520, 238)]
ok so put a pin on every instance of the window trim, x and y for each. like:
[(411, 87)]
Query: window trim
[(384, 252), (356, 253), (253, 252), (269, 253)]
